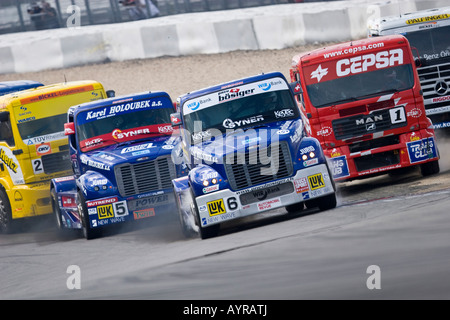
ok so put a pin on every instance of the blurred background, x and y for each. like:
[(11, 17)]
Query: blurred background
[(29, 15)]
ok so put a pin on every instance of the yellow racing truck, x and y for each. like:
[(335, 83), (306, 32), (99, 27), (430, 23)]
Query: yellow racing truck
[(33, 147)]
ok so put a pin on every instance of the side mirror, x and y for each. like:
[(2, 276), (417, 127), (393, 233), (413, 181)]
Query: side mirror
[(110, 93), (296, 88), (175, 119), (69, 128)]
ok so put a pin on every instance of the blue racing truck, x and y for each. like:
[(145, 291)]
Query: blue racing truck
[(7, 87), (121, 158), (245, 149)]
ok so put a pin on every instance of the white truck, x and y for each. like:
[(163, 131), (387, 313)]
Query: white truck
[(428, 33)]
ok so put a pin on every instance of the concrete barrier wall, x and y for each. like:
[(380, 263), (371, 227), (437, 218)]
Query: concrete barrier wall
[(269, 27)]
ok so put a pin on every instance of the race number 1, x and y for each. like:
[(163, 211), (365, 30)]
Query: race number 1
[(397, 115)]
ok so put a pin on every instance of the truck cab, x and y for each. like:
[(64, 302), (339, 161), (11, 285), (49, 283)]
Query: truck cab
[(7, 87), (120, 150), (245, 148), (33, 147), (363, 101), (428, 34)]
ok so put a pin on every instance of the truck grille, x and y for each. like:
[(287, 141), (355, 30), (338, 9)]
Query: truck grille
[(56, 162), (430, 76), (360, 125), (144, 177), (251, 168)]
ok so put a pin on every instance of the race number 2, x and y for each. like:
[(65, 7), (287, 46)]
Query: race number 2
[(38, 168)]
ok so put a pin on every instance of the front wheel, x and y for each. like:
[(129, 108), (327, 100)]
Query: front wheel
[(6, 221), (205, 232), (56, 211), (88, 232), (327, 202), (185, 219), (430, 168)]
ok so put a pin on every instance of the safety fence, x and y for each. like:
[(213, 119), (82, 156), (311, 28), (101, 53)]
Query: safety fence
[(28, 15)]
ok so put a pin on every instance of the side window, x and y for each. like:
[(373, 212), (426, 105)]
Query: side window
[(300, 96), (6, 134)]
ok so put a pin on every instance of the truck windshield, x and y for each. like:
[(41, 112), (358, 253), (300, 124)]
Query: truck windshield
[(361, 86), (40, 127), (110, 127), (431, 44), (243, 112)]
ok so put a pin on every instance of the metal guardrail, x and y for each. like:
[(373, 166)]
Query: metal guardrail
[(28, 15)]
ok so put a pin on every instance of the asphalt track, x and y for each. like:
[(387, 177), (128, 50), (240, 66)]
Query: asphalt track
[(398, 224)]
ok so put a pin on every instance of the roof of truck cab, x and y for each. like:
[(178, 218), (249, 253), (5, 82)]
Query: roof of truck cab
[(342, 50), (229, 84), (410, 19), (117, 100), (48, 91), (7, 87)]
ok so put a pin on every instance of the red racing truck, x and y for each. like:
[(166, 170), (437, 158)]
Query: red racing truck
[(363, 101)]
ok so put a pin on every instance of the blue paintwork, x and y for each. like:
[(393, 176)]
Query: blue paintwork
[(205, 159), (7, 87), (94, 174)]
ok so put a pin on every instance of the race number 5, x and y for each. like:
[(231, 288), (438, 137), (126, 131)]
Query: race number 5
[(38, 168), (397, 115)]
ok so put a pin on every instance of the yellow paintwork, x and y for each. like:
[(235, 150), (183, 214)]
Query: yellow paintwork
[(21, 167)]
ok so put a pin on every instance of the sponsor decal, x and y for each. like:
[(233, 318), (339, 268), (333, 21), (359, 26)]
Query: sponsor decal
[(105, 211), (234, 93), (414, 113), (319, 73), (355, 64), (428, 18), (421, 150), (325, 131), (146, 213), (230, 124), (283, 113), (316, 181), (44, 148), (269, 204), (95, 203), (211, 188), (138, 148), (9, 161), (310, 162), (216, 207), (301, 185), (339, 166)]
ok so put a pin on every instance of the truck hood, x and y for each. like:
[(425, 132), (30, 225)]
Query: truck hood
[(213, 151), (129, 152)]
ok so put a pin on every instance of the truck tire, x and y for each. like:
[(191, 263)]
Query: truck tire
[(55, 208), (6, 221), (429, 168), (88, 232), (296, 207), (204, 232), (186, 229), (327, 202)]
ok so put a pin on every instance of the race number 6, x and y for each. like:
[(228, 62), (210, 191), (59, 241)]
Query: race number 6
[(397, 115)]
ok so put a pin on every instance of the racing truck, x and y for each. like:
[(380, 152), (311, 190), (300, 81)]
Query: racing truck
[(244, 147), (363, 101), (7, 87), (33, 148), (120, 150), (428, 33)]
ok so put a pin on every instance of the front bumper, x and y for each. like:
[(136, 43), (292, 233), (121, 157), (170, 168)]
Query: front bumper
[(226, 205), (115, 209)]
